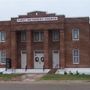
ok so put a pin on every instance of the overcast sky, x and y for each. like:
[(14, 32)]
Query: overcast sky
[(70, 8)]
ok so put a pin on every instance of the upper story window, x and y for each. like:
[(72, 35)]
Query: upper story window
[(55, 35), (2, 56), (75, 54), (75, 34), (23, 36), (2, 36), (38, 36)]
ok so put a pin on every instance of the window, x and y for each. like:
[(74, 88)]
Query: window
[(75, 54), (38, 36), (3, 56), (75, 34), (2, 36), (23, 36), (55, 36)]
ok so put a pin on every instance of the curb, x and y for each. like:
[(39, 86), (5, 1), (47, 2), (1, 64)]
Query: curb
[(48, 82)]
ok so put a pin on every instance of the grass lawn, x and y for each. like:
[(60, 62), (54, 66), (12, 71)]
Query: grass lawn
[(9, 76), (65, 77)]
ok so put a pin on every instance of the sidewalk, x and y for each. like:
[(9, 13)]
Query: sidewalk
[(52, 82), (31, 77)]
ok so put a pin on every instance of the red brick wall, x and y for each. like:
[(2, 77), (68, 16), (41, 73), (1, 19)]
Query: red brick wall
[(13, 45), (82, 44)]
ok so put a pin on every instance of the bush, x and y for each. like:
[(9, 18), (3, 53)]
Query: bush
[(83, 74), (1, 72), (77, 73), (70, 73), (65, 73)]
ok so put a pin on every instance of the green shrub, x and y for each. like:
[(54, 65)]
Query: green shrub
[(77, 73), (83, 74), (65, 73), (70, 73)]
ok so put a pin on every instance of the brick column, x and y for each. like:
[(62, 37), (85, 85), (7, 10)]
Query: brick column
[(13, 49), (62, 49), (29, 50), (46, 49), (8, 43)]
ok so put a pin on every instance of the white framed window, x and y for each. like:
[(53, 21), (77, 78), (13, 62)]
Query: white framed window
[(55, 35), (2, 36), (23, 36), (3, 57), (38, 36), (75, 54), (75, 34)]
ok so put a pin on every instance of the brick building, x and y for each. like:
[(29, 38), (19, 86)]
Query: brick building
[(39, 39)]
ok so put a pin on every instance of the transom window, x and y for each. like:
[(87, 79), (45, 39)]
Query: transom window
[(2, 36), (38, 36), (75, 54), (3, 57), (23, 36), (55, 35), (75, 34)]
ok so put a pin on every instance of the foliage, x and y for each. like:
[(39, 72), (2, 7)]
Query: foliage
[(77, 73), (70, 73), (8, 76), (65, 77), (65, 73)]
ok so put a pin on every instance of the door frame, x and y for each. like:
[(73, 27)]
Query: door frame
[(41, 51), (57, 66), (21, 58)]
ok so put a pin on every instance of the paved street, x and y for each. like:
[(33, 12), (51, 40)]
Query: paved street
[(45, 86)]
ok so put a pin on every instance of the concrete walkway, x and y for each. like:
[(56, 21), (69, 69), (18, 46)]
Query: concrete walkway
[(31, 77), (51, 82)]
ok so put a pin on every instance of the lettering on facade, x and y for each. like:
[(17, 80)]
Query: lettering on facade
[(37, 19)]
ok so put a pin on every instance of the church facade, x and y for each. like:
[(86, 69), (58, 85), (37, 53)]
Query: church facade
[(45, 40)]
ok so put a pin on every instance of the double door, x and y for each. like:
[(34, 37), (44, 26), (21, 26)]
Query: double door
[(38, 60)]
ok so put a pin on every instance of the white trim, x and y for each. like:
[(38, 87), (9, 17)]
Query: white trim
[(39, 64), (2, 33), (58, 64), (21, 57), (78, 56), (37, 19), (20, 71), (2, 57), (73, 32), (74, 71)]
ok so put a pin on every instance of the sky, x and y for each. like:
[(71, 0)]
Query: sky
[(69, 8)]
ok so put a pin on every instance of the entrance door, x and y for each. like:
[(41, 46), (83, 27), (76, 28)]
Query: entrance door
[(38, 59), (23, 59), (55, 58)]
